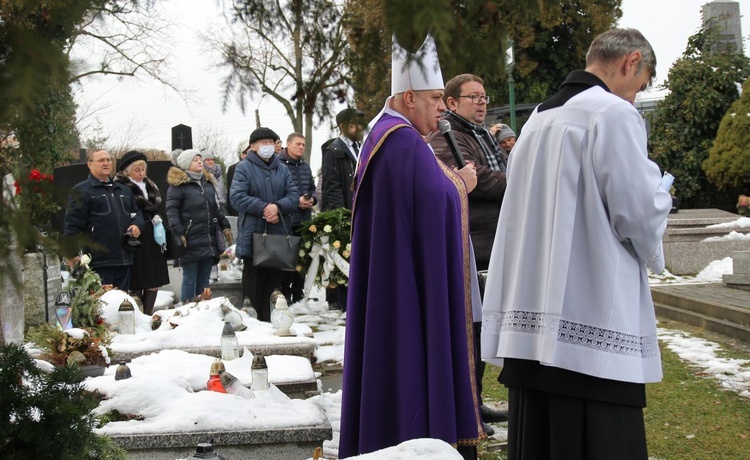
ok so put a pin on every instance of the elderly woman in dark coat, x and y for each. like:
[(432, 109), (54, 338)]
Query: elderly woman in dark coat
[(194, 216), (149, 271), (262, 191)]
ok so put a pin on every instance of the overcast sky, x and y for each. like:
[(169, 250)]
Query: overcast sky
[(667, 24)]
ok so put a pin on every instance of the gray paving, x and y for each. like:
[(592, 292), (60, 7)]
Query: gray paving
[(712, 306)]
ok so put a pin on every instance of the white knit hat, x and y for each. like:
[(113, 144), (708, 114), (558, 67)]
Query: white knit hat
[(186, 157)]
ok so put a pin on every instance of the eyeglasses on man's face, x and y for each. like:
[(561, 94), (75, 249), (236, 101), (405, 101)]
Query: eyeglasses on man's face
[(102, 160), (477, 99)]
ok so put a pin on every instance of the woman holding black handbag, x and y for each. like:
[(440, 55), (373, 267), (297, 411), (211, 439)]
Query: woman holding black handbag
[(194, 217), (262, 192)]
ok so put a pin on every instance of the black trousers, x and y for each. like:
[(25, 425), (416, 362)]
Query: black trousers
[(549, 426), (257, 285)]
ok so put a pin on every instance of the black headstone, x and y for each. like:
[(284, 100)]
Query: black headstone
[(65, 177), (182, 137)]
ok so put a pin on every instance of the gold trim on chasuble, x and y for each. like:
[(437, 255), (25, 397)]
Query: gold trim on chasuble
[(460, 185), (363, 169), (458, 182)]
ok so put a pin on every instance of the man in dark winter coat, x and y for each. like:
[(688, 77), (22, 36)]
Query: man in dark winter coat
[(340, 160), (292, 156), (104, 211), (339, 164), (467, 101)]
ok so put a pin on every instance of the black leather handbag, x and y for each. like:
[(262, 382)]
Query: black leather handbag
[(279, 252)]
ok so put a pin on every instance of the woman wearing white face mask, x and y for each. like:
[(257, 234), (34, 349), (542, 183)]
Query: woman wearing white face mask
[(262, 189)]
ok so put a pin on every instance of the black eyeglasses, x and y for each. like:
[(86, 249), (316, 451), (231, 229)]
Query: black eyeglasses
[(475, 98)]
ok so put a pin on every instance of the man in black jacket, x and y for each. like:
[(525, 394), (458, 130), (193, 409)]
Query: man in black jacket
[(339, 164), (340, 160), (293, 157), (104, 211)]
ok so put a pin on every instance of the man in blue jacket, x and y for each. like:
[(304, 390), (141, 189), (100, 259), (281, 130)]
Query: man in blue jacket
[(292, 156), (104, 212)]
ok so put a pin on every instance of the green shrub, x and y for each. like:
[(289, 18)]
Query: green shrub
[(47, 416)]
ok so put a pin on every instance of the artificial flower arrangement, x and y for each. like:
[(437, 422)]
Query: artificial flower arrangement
[(743, 203), (87, 343), (326, 247)]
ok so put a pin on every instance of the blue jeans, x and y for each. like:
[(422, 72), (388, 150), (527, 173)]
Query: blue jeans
[(195, 278)]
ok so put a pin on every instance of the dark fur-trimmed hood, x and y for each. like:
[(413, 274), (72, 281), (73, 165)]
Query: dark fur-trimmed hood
[(177, 177)]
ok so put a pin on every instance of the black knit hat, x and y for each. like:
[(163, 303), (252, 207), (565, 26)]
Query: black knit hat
[(129, 158), (263, 133)]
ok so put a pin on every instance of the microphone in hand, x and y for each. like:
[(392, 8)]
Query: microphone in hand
[(445, 129)]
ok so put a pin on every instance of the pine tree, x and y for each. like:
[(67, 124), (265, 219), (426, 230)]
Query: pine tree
[(728, 163), (47, 416)]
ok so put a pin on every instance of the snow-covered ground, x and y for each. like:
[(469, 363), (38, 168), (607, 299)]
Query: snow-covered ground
[(168, 379)]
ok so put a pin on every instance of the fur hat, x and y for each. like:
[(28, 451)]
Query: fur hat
[(263, 133), (206, 154), (186, 157), (505, 133), (129, 158)]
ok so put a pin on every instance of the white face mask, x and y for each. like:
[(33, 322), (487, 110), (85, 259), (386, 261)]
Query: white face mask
[(265, 151)]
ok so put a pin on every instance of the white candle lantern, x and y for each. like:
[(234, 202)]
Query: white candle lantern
[(126, 315), (282, 318), (230, 348), (260, 373)]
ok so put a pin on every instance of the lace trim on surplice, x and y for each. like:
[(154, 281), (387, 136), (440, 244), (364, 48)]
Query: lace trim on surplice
[(584, 335)]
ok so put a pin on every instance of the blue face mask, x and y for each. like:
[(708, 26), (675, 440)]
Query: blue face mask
[(265, 151)]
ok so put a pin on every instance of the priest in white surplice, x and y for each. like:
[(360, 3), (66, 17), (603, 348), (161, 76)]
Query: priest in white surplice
[(567, 309)]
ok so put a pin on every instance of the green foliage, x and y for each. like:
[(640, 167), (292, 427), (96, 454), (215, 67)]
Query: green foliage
[(333, 226), (550, 40), (47, 416), (63, 349), (728, 162), (553, 44), (683, 127), (85, 288), (291, 51)]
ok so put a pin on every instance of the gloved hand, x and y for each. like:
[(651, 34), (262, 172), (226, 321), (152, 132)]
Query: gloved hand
[(228, 236)]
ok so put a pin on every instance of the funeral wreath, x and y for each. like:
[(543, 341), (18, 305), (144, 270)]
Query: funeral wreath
[(326, 247)]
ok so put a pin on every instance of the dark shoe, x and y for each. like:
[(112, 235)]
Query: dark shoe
[(490, 415), (488, 430)]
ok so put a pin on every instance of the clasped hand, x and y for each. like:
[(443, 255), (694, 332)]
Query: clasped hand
[(271, 213)]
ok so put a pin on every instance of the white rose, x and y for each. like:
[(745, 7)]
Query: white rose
[(85, 260), (327, 229)]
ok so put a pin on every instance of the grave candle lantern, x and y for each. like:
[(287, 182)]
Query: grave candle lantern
[(230, 348), (63, 310), (214, 378), (282, 318), (126, 315), (259, 373)]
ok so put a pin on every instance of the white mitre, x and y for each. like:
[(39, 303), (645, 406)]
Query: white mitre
[(418, 71)]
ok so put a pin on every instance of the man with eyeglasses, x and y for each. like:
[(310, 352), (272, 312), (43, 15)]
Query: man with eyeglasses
[(105, 214), (467, 102)]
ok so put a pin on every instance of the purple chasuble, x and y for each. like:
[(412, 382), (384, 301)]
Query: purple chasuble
[(409, 355)]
